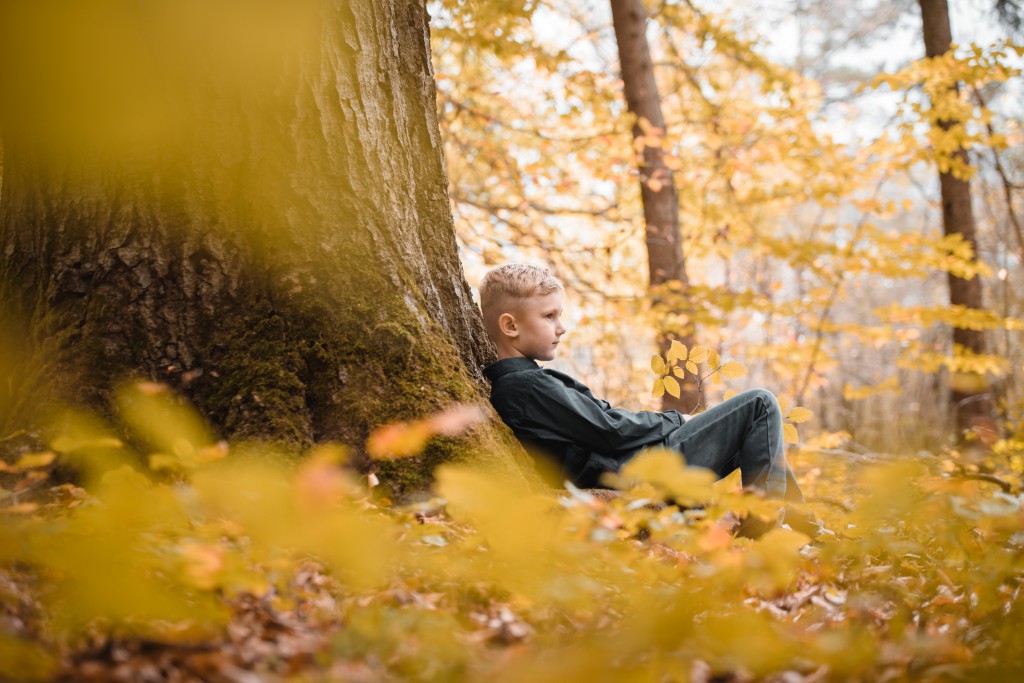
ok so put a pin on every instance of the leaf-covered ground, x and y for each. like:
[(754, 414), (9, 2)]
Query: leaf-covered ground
[(234, 568)]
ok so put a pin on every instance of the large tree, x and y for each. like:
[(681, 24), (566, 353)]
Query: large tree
[(246, 202)]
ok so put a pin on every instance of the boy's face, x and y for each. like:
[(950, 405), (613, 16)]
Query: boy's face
[(539, 325)]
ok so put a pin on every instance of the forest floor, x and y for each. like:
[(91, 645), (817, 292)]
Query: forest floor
[(240, 571)]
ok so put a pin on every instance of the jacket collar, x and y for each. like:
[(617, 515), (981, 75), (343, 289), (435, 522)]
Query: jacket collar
[(506, 365)]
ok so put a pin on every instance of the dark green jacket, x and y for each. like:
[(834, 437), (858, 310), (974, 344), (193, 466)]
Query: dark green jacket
[(552, 413)]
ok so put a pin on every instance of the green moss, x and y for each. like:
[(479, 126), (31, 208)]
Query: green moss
[(406, 477), (258, 386), (394, 341), (328, 374), (411, 380), (362, 377), (296, 373)]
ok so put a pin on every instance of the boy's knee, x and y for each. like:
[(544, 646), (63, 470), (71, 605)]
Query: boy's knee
[(764, 398)]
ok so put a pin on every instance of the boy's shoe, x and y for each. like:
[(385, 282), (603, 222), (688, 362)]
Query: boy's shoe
[(755, 526), (804, 522)]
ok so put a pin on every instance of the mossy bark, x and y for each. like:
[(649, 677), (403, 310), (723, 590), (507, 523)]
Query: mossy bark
[(281, 248)]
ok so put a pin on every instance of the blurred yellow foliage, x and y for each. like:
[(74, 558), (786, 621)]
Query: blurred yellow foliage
[(663, 469), (583, 586)]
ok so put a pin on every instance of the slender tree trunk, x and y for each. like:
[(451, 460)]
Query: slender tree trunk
[(266, 228), (657, 182), (970, 394)]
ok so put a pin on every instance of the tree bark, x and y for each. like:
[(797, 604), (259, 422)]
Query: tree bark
[(658, 192), (971, 399), (262, 222)]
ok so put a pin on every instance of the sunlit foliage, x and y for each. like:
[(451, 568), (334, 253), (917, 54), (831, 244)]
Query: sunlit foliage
[(174, 552), (811, 236), (302, 571)]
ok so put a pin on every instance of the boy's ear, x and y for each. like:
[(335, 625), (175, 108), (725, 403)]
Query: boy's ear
[(507, 325)]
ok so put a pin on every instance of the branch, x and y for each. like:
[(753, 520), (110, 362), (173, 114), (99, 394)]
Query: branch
[(982, 476), (538, 207), (12, 435), (991, 478), (1008, 186), (461, 107), (819, 332), (828, 500)]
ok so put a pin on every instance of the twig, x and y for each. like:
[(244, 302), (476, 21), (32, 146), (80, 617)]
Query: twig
[(861, 457), (12, 435), (981, 476), (1008, 187), (819, 332), (991, 478), (828, 500)]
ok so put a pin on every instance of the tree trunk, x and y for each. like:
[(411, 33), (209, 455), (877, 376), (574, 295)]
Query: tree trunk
[(657, 182), (971, 398), (249, 204)]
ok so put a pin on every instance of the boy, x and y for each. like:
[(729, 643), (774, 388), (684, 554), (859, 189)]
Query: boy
[(553, 413)]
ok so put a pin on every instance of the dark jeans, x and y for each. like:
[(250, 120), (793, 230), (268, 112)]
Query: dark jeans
[(743, 432)]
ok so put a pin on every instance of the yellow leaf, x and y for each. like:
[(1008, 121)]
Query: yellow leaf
[(659, 388), (164, 421), (211, 453), (799, 415), (714, 360), (520, 529), (734, 369), (22, 508), (692, 367), (456, 419), (676, 351), (25, 660), (679, 372), (658, 365), (671, 385), (783, 404), (714, 538), (67, 444), (789, 433), (667, 471), (398, 440), (172, 463), (320, 482), (699, 354), (32, 460), (203, 563), (729, 393), (404, 439), (773, 562)]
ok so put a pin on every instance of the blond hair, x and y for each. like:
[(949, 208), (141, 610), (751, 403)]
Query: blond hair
[(502, 289)]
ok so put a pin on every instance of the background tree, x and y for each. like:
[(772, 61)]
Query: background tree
[(801, 193), (542, 169), (251, 206), (971, 399), (664, 241), (1011, 14)]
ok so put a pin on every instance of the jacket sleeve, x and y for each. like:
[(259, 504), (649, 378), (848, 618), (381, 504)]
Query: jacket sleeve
[(577, 387), (579, 418)]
